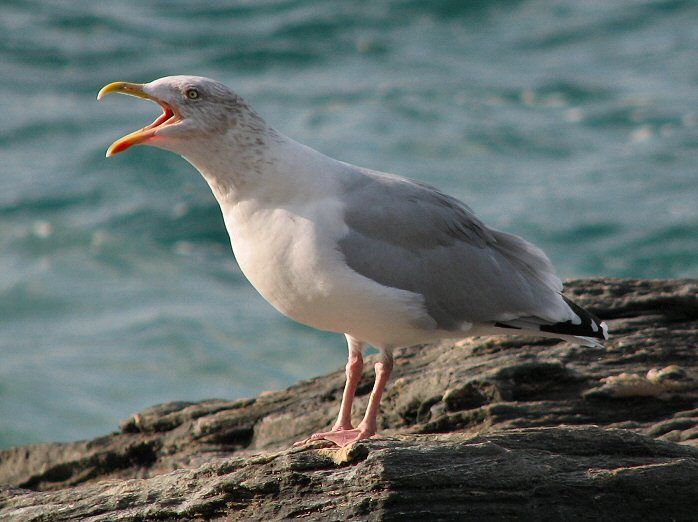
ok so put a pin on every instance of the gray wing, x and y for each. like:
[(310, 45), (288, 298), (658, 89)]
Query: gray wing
[(408, 235)]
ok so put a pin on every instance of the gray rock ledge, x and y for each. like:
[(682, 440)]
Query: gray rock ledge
[(483, 429)]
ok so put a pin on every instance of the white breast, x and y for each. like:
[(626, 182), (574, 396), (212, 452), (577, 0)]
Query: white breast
[(289, 254)]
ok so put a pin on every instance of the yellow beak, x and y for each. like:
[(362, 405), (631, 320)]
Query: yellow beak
[(145, 134), (132, 89)]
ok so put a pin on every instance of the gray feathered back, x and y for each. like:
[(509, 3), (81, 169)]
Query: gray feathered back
[(429, 243)]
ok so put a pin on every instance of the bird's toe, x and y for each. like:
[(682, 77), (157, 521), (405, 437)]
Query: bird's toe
[(339, 437)]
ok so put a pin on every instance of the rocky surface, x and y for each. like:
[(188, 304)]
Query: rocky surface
[(483, 429)]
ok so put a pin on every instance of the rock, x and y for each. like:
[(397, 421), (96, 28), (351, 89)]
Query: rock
[(499, 428)]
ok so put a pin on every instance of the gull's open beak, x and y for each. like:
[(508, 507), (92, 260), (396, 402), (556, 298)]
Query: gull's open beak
[(147, 133)]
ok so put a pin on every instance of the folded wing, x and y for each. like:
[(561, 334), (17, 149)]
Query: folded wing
[(408, 235)]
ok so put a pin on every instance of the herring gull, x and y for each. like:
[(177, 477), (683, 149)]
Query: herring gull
[(385, 260)]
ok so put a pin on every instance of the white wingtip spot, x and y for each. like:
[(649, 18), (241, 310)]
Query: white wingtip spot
[(604, 329)]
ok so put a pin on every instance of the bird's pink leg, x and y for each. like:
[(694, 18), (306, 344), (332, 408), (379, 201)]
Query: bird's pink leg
[(355, 365), (368, 426)]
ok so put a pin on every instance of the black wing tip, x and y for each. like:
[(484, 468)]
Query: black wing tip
[(593, 329), (588, 326)]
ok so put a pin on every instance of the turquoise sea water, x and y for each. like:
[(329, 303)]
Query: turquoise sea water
[(574, 124)]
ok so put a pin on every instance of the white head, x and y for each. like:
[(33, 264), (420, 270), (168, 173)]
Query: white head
[(205, 122), (195, 109)]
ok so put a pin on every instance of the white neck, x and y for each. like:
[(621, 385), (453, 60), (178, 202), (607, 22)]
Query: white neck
[(265, 166)]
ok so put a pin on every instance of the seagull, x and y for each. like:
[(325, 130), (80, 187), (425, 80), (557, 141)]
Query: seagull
[(385, 260)]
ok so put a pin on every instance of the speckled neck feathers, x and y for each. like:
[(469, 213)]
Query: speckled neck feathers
[(234, 161)]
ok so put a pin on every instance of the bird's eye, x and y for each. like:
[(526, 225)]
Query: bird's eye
[(193, 94)]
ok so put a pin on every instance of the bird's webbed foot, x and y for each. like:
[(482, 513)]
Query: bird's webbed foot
[(340, 437)]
